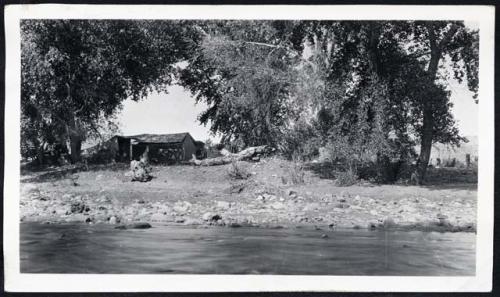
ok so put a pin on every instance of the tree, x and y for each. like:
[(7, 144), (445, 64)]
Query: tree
[(358, 106), (433, 42), (244, 71), (378, 97), (76, 73)]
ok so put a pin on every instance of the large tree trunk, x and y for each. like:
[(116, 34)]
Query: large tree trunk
[(425, 145), (40, 159), (74, 131), (427, 133), (75, 142)]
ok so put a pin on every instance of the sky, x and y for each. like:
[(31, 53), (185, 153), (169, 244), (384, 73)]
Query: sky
[(162, 113), (177, 112)]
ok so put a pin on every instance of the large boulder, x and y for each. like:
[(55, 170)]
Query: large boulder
[(141, 171)]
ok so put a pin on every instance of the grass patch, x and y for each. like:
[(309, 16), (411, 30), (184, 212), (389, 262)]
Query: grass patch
[(238, 171), (347, 178)]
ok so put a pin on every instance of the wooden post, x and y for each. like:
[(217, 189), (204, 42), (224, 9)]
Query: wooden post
[(467, 160), (131, 151)]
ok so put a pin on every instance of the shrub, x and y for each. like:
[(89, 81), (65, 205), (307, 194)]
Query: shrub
[(238, 171), (347, 178), (102, 156), (297, 173), (299, 141)]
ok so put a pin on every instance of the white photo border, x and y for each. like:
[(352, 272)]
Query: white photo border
[(16, 281)]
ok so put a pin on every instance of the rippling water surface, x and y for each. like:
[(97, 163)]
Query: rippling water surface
[(80, 248)]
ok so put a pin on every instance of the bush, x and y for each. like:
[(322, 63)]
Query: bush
[(297, 173), (347, 178), (299, 141), (238, 171)]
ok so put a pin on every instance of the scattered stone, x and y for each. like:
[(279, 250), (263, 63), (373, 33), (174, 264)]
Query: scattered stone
[(179, 220), (236, 188), (61, 211), (311, 206), (269, 197), (103, 199), (78, 207), (223, 205), (161, 217), (443, 220), (207, 216), (277, 205), (113, 220), (324, 235), (373, 212), (140, 225), (67, 196), (182, 207), (76, 218), (407, 208), (216, 218), (192, 222)]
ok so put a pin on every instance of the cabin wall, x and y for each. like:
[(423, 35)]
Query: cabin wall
[(162, 153), (189, 148), (159, 153)]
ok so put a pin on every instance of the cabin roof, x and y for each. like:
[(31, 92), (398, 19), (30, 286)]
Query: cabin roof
[(159, 138)]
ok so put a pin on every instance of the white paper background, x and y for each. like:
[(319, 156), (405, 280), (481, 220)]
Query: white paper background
[(16, 281)]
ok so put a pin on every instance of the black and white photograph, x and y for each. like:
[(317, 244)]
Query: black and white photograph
[(246, 146)]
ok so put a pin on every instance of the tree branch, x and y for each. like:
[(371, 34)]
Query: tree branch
[(421, 54), (263, 44), (447, 37)]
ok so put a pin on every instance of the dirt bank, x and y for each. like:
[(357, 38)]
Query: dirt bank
[(208, 196)]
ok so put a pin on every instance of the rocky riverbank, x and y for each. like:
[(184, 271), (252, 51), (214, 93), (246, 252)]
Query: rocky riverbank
[(204, 196)]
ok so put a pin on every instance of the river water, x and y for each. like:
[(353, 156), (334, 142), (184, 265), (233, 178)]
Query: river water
[(81, 248)]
